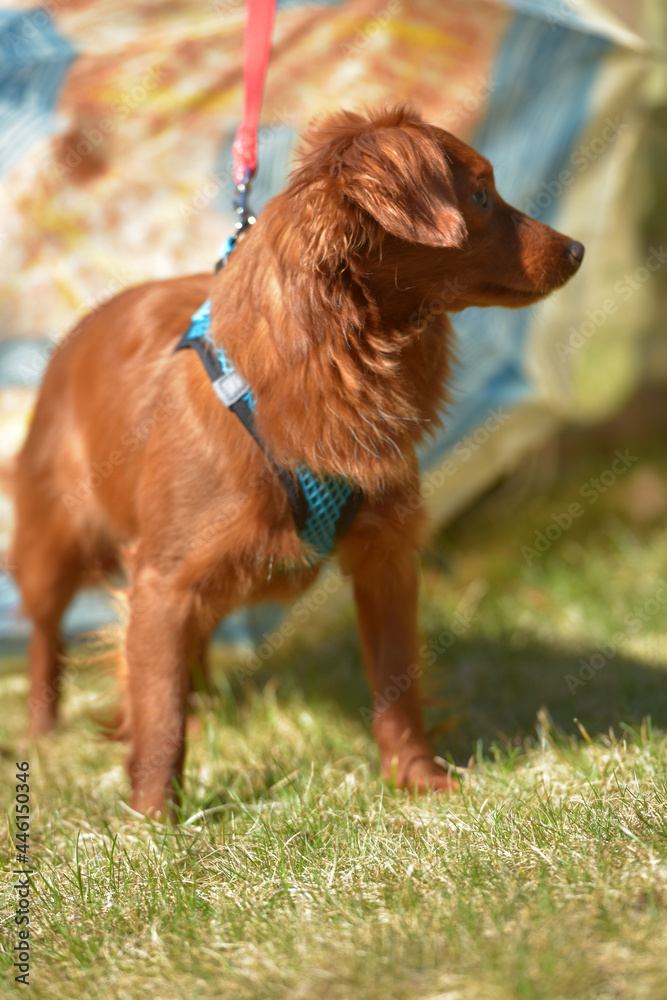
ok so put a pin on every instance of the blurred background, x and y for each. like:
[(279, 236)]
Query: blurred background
[(543, 605), (116, 121)]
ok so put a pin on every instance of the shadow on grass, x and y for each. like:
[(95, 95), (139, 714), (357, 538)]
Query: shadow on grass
[(487, 690), (481, 691)]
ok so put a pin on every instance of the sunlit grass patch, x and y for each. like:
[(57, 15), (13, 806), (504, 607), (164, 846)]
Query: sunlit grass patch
[(296, 872)]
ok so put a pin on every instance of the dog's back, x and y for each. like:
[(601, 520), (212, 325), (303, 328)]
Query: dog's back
[(83, 455)]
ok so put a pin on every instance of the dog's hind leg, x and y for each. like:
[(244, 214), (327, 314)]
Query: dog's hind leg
[(199, 666), (47, 564)]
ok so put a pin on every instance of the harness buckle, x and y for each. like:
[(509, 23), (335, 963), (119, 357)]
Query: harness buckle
[(230, 388)]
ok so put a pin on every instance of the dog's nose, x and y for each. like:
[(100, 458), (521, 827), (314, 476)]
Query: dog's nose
[(576, 252)]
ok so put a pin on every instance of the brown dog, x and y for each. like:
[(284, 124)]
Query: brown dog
[(321, 309)]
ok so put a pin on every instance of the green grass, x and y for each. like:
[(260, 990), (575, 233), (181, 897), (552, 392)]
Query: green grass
[(298, 873)]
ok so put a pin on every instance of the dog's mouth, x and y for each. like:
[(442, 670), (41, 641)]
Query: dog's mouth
[(501, 295)]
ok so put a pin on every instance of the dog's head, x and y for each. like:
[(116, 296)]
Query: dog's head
[(415, 205), (343, 286)]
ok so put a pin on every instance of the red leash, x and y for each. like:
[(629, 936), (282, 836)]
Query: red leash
[(256, 51)]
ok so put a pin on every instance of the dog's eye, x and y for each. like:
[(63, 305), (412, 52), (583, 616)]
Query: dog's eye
[(481, 199)]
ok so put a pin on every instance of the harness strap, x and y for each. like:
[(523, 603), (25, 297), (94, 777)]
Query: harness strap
[(323, 506), (231, 389)]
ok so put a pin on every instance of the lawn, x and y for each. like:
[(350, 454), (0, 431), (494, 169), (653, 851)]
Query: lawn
[(297, 873)]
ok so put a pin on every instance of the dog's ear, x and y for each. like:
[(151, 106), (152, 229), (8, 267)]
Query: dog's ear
[(361, 177), (401, 178)]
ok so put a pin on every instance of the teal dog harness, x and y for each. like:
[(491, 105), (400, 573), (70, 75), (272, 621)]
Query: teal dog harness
[(323, 506)]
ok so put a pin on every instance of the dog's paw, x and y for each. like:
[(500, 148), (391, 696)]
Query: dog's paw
[(420, 773), (42, 725)]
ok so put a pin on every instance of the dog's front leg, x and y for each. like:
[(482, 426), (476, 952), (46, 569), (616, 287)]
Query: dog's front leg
[(386, 597), (157, 645)]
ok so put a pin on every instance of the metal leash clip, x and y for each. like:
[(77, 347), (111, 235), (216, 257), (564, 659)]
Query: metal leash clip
[(244, 219)]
